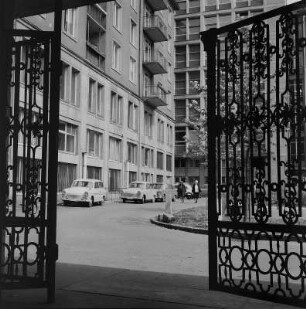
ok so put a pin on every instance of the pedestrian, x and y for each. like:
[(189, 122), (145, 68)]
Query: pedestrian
[(196, 190), (181, 191)]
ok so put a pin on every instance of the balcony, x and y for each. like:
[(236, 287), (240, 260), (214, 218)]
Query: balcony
[(155, 29), (158, 5), (155, 63), (155, 96)]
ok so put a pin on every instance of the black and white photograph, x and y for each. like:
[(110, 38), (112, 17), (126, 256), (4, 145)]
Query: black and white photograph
[(153, 154)]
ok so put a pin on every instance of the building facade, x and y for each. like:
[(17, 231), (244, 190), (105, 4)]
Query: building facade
[(193, 17), (116, 92)]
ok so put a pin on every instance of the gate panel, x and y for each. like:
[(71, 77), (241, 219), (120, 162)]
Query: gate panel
[(256, 128), (24, 226)]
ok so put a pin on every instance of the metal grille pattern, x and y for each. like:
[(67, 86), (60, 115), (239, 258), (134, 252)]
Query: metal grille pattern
[(258, 126), (25, 224)]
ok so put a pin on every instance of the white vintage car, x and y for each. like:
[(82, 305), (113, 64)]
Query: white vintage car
[(85, 191), (138, 191)]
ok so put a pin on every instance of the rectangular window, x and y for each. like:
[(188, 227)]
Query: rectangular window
[(180, 110), (117, 19), (70, 21), (160, 178), (194, 55), (115, 149), (147, 157), (180, 30), (194, 28), (133, 117), (180, 83), (160, 160), (67, 137), (92, 96), (169, 134), (133, 35), (64, 82), (194, 77), (116, 108), (75, 86), (132, 176), (100, 100), (132, 153), (114, 182), (94, 172), (66, 174), (116, 57), (94, 143), (182, 7), (70, 85), (180, 57), (225, 19), (160, 130), (194, 6), (169, 163), (148, 123), (132, 70)]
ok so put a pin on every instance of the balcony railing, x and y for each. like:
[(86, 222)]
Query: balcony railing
[(97, 15), (155, 62), (155, 28), (158, 5), (155, 96)]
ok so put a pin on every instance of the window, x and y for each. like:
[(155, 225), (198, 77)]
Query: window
[(133, 118), (193, 76), (132, 176), (169, 163), (117, 16), (194, 28), (194, 55), (160, 130), (115, 149), (114, 182), (182, 7), (116, 56), (134, 4), (66, 174), (169, 134), (210, 5), (180, 110), (210, 22), (225, 19), (133, 32), (132, 70), (148, 123), (94, 143), (116, 108), (70, 21), (70, 85), (180, 57), (95, 98), (180, 30), (180, 162), (224, 4), (132, 153), (180, 83), (94, 172), (160, 178), (147, 157), (194, 6), (160, 160), (67, 137)]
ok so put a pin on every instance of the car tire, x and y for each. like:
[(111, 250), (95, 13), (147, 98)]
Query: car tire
[(66, 203), (123, 200), (143, 200)]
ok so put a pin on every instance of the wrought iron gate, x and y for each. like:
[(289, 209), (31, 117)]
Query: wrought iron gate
[(28, 248), (257, 164)]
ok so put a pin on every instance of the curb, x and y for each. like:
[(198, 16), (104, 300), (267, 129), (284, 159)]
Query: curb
[(171, 226)]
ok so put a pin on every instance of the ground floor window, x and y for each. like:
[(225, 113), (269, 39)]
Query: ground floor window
[(65, 175), (147, 177), (132, 177), (114, 179), (159, 178), (94, 172)]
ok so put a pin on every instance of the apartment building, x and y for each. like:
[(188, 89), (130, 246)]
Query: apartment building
[(192, 17), (116, 91)]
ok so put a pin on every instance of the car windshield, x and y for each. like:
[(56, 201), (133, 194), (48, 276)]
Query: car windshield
[(82, 183), (137, 185)]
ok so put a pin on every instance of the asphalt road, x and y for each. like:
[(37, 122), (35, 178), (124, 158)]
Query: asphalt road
[(121, 235)]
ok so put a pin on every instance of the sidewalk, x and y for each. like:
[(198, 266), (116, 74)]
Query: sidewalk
[(80, 286)]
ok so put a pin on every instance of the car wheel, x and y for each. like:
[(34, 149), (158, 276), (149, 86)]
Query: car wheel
[(66, 203), (123, 200), (143, 200), (91, 202)]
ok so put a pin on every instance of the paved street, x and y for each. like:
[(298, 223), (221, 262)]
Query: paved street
[(121, 235)]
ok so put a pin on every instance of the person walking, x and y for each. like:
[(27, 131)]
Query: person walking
[(181, 191), (196, 190)]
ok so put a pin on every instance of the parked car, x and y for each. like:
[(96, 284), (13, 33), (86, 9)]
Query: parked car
[(188, 193), (138, 191), (85, 191), (161, 191)]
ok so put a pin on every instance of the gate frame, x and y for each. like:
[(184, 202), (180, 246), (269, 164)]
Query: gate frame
[(209, 39)]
